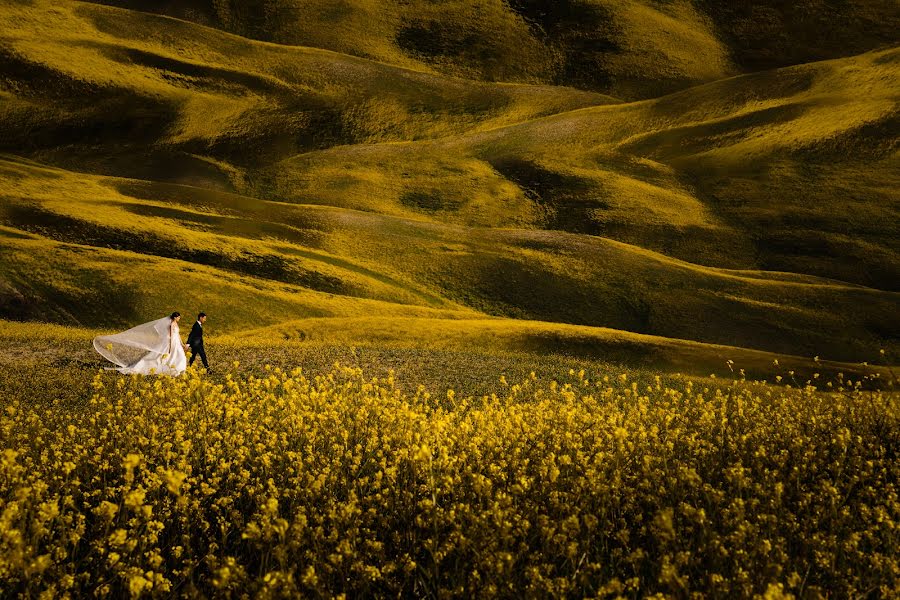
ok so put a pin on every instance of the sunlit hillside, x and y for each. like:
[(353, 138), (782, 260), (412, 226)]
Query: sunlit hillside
[(630, 48), (158, 161), (180, 237), (794, 170)]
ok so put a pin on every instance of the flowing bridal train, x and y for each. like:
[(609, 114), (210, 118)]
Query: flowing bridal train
[(150, 348)]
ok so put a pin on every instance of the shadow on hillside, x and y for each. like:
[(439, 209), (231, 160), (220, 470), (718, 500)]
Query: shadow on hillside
[(84, 300), (195, 75), (767, 34), (267, 266), (568, 200), (71, 111), (155, 164), (678, 142), (311, 229)]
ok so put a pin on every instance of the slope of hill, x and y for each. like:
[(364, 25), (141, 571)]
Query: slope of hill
[(526, 274), (623, 48), (793, 170), (131, 93), (631, 49), (552, 339), (146, 155)]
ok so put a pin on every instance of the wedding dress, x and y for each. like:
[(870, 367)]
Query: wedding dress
[(150, 348)]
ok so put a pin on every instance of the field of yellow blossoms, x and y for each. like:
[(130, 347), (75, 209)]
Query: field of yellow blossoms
[(282, 485)]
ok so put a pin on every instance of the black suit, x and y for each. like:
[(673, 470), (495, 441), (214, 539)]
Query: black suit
[(195, 341)]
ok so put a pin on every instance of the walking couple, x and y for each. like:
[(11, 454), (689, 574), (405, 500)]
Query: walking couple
[(154, 347)]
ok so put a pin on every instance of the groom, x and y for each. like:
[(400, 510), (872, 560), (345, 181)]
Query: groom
[(195, 341)]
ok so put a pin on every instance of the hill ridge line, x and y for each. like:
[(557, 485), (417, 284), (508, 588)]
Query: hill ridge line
[(622, 104), (353, 57), (739, 274), (326, 51), (657, 341)]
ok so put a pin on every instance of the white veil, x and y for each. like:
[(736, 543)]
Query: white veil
[(127, 348)]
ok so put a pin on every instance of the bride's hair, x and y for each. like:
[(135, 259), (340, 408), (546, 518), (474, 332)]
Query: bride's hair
[(175, 314)]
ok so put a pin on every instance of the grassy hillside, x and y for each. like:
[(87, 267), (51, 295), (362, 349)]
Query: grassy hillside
[(794, 170), (467, 355), (624, 48), (631, 49), (547, 276), (130, 93), (152, 162)]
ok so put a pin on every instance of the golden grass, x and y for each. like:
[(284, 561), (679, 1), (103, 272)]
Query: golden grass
[(65, 354), (214, 87), (760, 171), (543, 338), (268, 256), (80, 285), (631, 48), (657, 48)]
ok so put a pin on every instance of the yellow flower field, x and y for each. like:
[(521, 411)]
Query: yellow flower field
[(288, 485)]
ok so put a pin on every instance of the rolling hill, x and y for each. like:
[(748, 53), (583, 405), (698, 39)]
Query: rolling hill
[(628, 48), (349, 179), (790, 170)]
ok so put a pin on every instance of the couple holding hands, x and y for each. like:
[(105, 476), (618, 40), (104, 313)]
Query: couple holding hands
[(154, 347)]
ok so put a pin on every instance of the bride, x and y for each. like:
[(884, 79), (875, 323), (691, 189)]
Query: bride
[(150, 348)]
